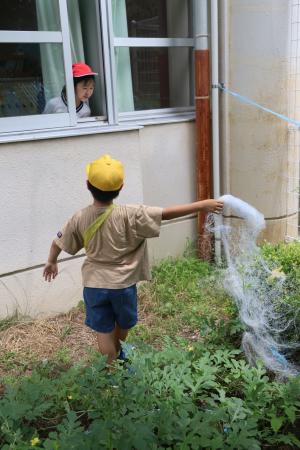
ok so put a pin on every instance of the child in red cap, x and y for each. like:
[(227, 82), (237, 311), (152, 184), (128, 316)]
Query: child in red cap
[(115, 241), (84, 84)]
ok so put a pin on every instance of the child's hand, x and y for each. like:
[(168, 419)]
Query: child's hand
[(212, 205), (50, 271)]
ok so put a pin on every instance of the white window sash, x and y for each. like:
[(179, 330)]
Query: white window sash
[(25, 124), (158, 111), (153, 42), (109, 61), (33, 122), (38, 37), (110, 42), (67, 55), (44, 121)]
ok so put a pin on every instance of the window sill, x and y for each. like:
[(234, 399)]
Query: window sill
[(80, 130), (92, 127), (172, 118)]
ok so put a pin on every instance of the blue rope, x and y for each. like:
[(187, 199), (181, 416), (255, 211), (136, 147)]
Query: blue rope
[(248, 101)]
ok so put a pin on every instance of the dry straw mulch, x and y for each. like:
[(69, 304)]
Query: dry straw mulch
[(41, 339), (26, 341)]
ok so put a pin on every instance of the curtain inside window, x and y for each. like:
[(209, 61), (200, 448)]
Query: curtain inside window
[(53, 74), (122, 58), (92, 41)]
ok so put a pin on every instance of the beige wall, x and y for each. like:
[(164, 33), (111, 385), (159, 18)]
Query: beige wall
[(257, 142), (43, 184), (169, 177)]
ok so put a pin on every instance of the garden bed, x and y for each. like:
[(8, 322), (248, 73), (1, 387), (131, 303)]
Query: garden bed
[(186, 385)]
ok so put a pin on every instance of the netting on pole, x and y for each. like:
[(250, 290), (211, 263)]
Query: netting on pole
[(257, 287)]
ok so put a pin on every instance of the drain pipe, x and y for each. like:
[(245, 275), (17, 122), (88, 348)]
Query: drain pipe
[(203, 119), (215, 119), (224, 100)]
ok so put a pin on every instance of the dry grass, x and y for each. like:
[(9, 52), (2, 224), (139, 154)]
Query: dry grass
[(41, 339), (66, 339), (28, 340)]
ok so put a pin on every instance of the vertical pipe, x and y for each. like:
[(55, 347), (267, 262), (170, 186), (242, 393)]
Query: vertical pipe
[(215, 119), (224, 99), (215, 96), (203, 118)]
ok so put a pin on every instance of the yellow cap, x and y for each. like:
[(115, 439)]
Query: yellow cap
[(105, 173)]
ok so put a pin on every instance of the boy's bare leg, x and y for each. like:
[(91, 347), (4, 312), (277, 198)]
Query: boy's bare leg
[(120, 335), (107, 346), (109, 343)]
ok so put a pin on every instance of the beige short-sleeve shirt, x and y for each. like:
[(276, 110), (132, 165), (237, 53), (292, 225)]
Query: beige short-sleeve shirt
[(117, 255)]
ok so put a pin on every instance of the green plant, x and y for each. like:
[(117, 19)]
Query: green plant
[(183, 295), (285, 258), (193, 390), (11, 320), (178, 398)]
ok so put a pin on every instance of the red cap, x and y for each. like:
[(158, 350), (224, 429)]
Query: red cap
[(81, 70)]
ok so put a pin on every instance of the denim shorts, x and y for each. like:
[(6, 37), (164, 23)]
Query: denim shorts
[(107, 307)]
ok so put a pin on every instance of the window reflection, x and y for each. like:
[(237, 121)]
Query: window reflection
[(29, 15), (152, 78), (30, 74), (151, 18)]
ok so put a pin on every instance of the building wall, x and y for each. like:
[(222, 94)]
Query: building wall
[(258, 66), (43, 184), (169, 177)]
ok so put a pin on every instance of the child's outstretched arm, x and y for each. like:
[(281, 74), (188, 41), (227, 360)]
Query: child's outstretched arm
[(51, 269), (210, 205)]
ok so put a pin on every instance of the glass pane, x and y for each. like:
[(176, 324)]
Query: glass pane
[(30, 75), (30, 15), (151, 18), (86, 46), (158, 78)]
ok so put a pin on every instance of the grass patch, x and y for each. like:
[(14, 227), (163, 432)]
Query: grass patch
[(176, 398), (187, 386), (8, 322), (185, 298)]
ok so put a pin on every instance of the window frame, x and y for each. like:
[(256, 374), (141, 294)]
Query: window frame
[(44, 121), (114, 42), (45, 126)]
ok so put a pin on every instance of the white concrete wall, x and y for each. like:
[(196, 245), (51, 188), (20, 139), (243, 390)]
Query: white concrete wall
[(43, 183), (169, 176), (258, 58)]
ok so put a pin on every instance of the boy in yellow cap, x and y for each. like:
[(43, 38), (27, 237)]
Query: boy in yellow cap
[(114, 238)]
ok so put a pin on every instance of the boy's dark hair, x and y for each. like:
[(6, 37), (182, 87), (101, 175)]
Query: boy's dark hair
[(86, 78), (102, 196)]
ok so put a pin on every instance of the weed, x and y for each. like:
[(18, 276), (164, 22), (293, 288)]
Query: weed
[(178, 398), (191, 387), (62, 356), (184, 293), (66, 331), (10, 321)]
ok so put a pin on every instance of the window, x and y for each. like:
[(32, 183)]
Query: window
[(26, 81), (86, 45), (152, 54), (142, 52), (34, 63)]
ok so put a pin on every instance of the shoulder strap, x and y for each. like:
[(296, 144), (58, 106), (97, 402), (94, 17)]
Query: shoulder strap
[(91, 230)]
